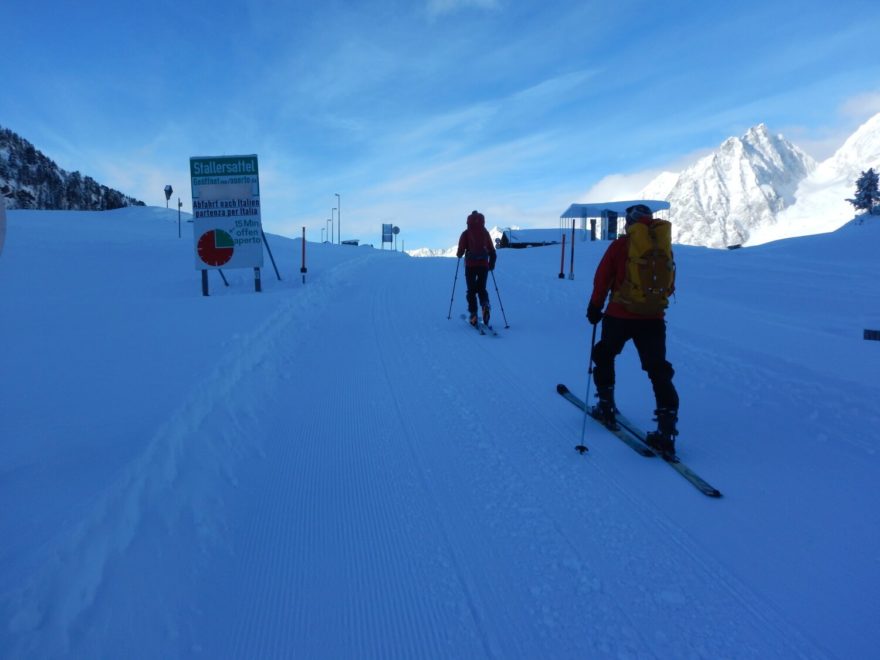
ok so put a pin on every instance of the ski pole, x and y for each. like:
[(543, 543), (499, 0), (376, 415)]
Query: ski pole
[(498, 295), (582, 447), (457, 264)]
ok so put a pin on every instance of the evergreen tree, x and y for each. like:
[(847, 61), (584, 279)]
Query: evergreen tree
[(24, 200), (867, 196), (74, 191)]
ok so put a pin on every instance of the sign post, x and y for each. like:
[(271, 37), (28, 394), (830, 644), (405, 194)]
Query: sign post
[(227, 227), (303, 268), (168, 191), (562, 260)]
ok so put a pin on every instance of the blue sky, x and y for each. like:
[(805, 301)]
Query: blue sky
[(416, 112)]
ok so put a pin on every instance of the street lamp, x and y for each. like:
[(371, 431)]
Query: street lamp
[(332, 213), (323, 229), (329, 226), (339, 218)]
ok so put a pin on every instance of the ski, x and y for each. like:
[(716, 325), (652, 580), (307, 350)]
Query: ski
[(477, 327), (620, 433), (698, 482), (635, 438), (482, 328)]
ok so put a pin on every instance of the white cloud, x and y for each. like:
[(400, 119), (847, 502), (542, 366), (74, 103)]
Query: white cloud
[(619, 186), (821, 142), (862, 106), (440, 7)]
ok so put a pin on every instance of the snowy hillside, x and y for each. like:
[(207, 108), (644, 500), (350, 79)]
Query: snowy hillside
[(660, 186), (30, 180), (336, 469)]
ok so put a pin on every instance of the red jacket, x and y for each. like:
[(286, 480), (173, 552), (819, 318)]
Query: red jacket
[(610, 274), (476, 245)]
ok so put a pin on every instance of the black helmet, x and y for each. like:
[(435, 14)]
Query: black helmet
[(638, 212)]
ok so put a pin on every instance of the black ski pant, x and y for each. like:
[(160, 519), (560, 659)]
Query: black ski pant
[(476, 278), (649, 337)]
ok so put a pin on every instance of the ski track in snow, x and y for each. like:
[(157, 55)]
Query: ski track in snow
[(843, 425), (644, 567), (181, 472), (381, 545), (561, 608)]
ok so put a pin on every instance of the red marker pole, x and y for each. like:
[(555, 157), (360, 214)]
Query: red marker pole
[(562, 260), (304, 270)]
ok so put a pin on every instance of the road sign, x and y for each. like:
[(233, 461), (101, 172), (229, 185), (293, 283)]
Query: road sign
[(227, 226)]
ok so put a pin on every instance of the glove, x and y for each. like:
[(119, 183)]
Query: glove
[(594, 314)]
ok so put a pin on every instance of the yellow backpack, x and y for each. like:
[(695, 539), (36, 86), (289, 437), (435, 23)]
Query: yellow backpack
[(650, 270)]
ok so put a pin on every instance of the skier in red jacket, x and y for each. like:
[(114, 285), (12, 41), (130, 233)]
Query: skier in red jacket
[(648, 333), (478, 250)]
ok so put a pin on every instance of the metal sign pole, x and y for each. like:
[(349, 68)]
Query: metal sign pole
[(338, 218), (304, 270), (269, 250), (562, 260)]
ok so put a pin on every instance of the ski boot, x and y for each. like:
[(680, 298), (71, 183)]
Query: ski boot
[(663, 439), (472, 317), (605, 410), (486, 314)]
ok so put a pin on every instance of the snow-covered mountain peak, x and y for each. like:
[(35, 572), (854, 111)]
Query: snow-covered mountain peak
[(760, 131), (759, 136), (821, 196), (858, 153), (742, 185)]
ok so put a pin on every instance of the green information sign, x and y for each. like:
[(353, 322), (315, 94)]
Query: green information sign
[(223, 166)]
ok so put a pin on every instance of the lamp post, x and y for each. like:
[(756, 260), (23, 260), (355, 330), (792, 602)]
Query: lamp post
[(323, 229), (332, 213), (329, 225), (338, 218)]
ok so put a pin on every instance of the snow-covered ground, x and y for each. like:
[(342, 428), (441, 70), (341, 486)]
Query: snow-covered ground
[(336, 469)]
